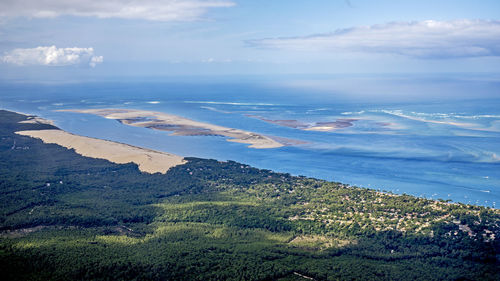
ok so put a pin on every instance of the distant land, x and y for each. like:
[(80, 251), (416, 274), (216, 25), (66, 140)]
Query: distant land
[(65, 216)]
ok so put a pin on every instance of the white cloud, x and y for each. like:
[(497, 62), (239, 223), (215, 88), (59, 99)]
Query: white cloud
[(52, 56), (155, 10), (425, 39)]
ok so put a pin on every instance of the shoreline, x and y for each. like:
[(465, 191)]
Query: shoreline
[(147, 160), (182, 161)]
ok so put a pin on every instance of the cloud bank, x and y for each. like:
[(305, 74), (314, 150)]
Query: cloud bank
[(53, 56), (424, 39), (155, 10)]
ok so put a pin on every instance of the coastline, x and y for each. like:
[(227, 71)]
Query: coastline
[(345, 178), (115, 208)]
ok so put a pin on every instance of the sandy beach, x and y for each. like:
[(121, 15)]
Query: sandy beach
[(181, 126), (149, 161)]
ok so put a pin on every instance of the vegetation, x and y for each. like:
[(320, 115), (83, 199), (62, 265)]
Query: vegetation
[(68, 217)]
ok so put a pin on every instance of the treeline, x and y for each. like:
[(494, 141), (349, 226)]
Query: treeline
[(67, 217)]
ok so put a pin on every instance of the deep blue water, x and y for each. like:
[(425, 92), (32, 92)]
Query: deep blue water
[(426, 136)]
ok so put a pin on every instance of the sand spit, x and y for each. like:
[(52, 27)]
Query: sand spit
[(181, 126), (149, 161)]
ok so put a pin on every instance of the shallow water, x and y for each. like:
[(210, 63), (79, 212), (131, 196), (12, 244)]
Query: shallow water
[(435, 145)]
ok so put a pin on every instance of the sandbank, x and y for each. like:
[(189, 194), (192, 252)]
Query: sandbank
[(181, 126), (316, 126), (149, 161)]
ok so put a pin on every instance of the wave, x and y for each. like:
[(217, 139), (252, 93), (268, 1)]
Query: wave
[(438, 115), (318, 109), (353, 113), (455, 115), (444, 119), (215, 109), (477, 116), (233, 103)]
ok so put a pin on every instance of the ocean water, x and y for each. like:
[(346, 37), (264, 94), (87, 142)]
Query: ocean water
[(433, 137)]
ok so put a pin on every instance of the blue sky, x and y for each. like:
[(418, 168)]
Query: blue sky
[(63, 38)]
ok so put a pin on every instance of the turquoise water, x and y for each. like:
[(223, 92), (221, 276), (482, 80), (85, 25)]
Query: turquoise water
[(430, 137)]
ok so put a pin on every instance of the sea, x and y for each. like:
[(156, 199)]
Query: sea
[(432, 136)]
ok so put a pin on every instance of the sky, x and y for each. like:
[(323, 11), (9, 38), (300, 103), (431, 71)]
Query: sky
[(90, 39)]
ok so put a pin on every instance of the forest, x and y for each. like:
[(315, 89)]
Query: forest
[(68, 217)]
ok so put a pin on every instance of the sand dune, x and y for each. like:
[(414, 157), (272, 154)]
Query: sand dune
[(149, 161)]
